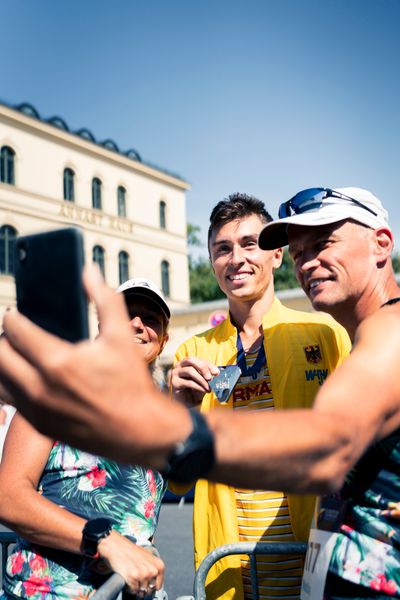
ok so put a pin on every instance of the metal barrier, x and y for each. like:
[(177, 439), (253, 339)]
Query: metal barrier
[(111, 589), (7, 539), (249, 548)]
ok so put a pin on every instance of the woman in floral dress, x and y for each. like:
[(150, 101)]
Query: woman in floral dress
[(50, 490)]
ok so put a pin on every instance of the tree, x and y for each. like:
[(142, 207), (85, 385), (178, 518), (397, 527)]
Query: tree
[(284, 277), (396, 262), (203, 285)]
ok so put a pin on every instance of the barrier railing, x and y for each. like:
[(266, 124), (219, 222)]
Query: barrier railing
[(252, 550), (7, 539)]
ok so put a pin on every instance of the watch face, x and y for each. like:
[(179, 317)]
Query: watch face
[(98, 528)]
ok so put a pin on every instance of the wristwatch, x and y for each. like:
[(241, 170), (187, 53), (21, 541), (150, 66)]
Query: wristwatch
[(94, 531), (194, 457)]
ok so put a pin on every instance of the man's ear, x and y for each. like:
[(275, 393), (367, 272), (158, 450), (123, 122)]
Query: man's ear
[(277, 259), (383, 244)]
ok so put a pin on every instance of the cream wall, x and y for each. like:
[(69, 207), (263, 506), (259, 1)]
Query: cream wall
[(35, 202)]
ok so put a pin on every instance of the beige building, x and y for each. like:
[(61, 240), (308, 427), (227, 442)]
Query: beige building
[(132, 214)]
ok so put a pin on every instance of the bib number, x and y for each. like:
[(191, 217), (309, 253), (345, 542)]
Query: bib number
[(319, 552)]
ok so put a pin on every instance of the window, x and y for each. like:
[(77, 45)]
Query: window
[(165, 278), (98, 257), (7, 169), (123, 266), (162, 214), (7, 239), (69, 192), (121, 196), (96, 193)]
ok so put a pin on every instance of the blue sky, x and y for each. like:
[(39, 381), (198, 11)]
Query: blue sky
[(264, 97)]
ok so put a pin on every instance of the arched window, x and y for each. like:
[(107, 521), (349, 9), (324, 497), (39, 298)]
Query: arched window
[(121, 197), (163, 207), (123, 266), (96, 193), (69, 191), (7, 240), (98, 257), (7, 167), (165, 278)]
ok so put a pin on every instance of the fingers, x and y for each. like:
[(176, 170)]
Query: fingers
[(31, 341), (140, 568), (193, 373), (111, 309), (394, 510), (17, 374)]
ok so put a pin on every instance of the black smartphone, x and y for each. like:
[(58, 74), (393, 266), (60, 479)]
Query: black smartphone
[(48, 279)]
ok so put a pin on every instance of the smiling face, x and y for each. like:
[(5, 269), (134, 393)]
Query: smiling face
[(149, 330), (334, 263), (244, 272)]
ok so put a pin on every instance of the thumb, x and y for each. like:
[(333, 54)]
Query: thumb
[(111, 309)]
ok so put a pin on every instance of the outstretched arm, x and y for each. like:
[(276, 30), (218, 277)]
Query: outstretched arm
[(72, 390)]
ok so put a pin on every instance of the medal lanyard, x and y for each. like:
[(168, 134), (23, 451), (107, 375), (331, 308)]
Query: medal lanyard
[(241, 360)]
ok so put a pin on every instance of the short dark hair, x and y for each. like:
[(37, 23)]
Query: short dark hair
[(237, 206)]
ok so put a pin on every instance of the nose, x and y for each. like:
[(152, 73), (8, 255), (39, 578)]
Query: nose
[(136, 323), (237, 255), (308, 262)]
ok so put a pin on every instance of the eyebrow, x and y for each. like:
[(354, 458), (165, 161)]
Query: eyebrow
[(244, 238)]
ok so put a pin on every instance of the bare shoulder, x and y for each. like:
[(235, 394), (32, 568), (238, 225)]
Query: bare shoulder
[(381, 329)]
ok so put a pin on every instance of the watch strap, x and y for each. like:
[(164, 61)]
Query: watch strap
[(194, 457), (93, 531)]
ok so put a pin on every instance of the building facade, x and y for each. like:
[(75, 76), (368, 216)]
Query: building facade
[(132, 214)]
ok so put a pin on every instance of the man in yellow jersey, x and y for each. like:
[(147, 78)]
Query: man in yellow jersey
[(281, 357)]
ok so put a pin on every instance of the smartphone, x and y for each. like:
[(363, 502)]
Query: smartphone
[(48, 279)]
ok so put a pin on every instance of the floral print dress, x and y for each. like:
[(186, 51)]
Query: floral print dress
[(367, 550), (91, 487)]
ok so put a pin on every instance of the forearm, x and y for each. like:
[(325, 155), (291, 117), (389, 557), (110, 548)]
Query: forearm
[(297, 451), (39, 520)]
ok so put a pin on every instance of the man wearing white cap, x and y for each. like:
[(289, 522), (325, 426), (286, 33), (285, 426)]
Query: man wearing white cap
[(344, 265)]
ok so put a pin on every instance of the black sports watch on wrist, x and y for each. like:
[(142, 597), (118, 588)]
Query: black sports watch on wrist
[(94, 531), (194, 457)]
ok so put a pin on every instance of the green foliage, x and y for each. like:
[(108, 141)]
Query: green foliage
[(396, 262), (203, 285), (284, 277), (192, 237)]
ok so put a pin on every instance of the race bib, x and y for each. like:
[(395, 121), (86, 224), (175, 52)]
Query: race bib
[(319, 552)]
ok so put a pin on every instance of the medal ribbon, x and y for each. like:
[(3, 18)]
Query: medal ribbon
[(241, 360)]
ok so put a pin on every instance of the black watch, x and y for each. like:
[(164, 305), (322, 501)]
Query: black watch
[(194, 457), (94, 531)]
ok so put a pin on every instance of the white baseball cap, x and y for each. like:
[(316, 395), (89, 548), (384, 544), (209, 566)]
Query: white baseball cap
[(140, 286), (321, 206)]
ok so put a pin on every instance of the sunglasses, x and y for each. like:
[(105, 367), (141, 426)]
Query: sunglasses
[(313, 198)]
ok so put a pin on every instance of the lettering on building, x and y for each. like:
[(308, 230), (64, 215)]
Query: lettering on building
[(93, 217)]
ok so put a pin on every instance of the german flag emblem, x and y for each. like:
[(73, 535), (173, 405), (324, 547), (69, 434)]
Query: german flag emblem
[(313, 354)]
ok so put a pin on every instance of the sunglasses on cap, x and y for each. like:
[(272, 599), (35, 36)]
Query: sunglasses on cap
[(313, 198)]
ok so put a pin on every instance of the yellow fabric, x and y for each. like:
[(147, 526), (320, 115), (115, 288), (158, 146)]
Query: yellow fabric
[(287, 333)]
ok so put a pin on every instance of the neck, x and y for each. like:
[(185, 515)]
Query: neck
[(352, 313), (248, 316)]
